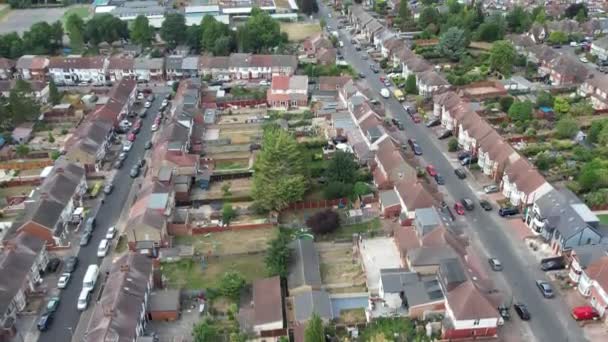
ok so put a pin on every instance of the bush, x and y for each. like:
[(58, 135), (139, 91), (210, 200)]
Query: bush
[(505, 103), (453, 145), (324, 222), (335, 190)]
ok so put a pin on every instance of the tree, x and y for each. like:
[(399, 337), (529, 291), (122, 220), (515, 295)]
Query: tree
[(573, 11), (521, 111), (428, 16), (216, 37), (491, 30), (11, 45), (205, 331), (75, 28), (602, 137), (21, 106), (361, 189), (54, 94), (544, 99), (105, 28), (193, 37), (228, 213), (561, 105), (308, 6), (539, 15), (594, 131), (278, 255), (342, 167), (405, 15), (505, 103), (518, 20), (452, 145), (231, 284), (315, 332), (410, 85), (226, 193), (593, 175), (260, 33), (335, 190), (322, 23), (173, 28), (566, 128), (502, 55), (51, 138), (323, 222), (22, 150), (557, 37), (581, 108), (141, 31), (279, 177), (453, 43)]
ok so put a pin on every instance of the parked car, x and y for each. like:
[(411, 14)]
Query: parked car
[(459, 208), (52, 305), (503, 310), (118, 164), (44, 321), (545, 288), (439, 179), (70, 264), (154, 127), (495, 264), (491, 188), (134, 172), (85, 238), (464, 154), (508, 211), (53, 265), (141, 163), (433, 122), (108, 189), (90, 224), (583, 313), (460, 173), (165, 102), (148, 145), (416, 118), (131, 137), (126, 146), (522, 311), (468, 161), (64, 280), (467, 204), (111, 232), (446, 133), (148, 104), (122, 156), (430, 169), (485, 205), (143, 113), (415, 147), (552, 264), (398, 123), (361, 75)]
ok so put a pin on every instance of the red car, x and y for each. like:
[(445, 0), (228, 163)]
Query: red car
[(131, 137), (459, 208), (382, 79), (157, 120), (137, 124), (431, 170), (583, 313)]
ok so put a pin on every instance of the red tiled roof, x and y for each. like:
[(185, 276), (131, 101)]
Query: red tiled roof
[(6, 63), (267, 300), (406, 239), (413, 194), (122, 63), (468, 303), (524, 175), (330, 83), (598, 270), (280, 82), (76, 62)]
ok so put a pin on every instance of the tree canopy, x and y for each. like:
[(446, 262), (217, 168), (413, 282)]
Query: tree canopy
[(173, 29), (19, 106), (105, 28), (342, 168), (231, 284), (502, 56), (278, 255), (566, 128), (141, 31), (453, 43), (518, 20), (75, 28), (280, 172), (260, 33), (315, 332), (323, 222), (521, 111), (216, 37), (205, 331)]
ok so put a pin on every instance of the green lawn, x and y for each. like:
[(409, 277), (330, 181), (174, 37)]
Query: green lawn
[(346, 232), (6, 9), (603, 218), (80, 10), (188, 274), (231, 165)]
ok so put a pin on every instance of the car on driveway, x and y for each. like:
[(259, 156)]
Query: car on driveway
[(44, 321), (495, 264), (490, 189), (508, 211), (485, 205), (522, 311), (361, 75), (148, 104), (126, 146), (439, 179), (464, 154), (148, 145), (63, 280), (552, 264), (122, 156), (111, 232), (52, 305), (545, 288), (584, 313), (446, 133), (433, 122), (430, 169), (459, 208), (70, 264), (118, 164), (467, 204), (460, 173)]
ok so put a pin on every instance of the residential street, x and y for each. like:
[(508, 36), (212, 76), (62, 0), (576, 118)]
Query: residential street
[(67, 316), (551, 320)]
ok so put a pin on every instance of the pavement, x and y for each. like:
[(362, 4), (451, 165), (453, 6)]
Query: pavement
[(550, 318), (67, 316)]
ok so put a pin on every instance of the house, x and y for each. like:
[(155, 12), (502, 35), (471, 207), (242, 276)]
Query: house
[(119, 67), (430, 82), (332, 83), (371, 30), (23, 133), (40, 89), (563, 220), (414, 66), (412, 195), (173, 67), (522, 183), (390, 206), (564, 70), (49, 211), (359, 17), (247, 66), (494, 154), (31, 67), (444, 106), (120, 313), (265, 316), (147, 222), (599, 48), (149, 69), (304, 268), (288, 92), (22, 260), (189, 66), (593, 284), (73, 70), (568, 26), (129, 10), (308, 302), (7, 68), (390, 165), (410, 294), (595, 88), (471, 129), (580, 258), (326, 56), (313, 44), (537, 33), (164, 305)]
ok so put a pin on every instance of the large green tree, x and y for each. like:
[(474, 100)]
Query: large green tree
[(216, 37), (75, 28), (278, 255), (521, 111), (54, 94), (518, 20), (280, 172), (105, 28), (557, 37), (453, 43), (260, 33), (342, 168), (315, 332), (173, 29), (502, 56), (566, 128), (19, 106), (231, 284), (491, 30), (205, 331), (428, 16), (141, 31)]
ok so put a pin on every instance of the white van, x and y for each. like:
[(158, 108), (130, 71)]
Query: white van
[(90, 277), (83, 299), (102, 250)]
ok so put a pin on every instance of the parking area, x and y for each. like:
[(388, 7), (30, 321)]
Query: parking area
[(377, 254)]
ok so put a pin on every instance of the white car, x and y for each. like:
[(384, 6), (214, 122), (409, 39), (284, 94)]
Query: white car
[(264, 83), (148, 104), (64, 280), (140, 96), (584, 60), (103, 247), (154, 128), (126, 147), (111, 232), (165, 103)]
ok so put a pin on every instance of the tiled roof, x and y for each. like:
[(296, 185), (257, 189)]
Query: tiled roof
[(468, 303), (122, 63), (77, 63), (267, 300)]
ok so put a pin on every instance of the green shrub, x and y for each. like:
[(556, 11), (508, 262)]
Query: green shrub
[(453, 145)]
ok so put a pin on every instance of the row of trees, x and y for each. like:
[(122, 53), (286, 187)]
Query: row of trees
[(41, 39), (18, 107)]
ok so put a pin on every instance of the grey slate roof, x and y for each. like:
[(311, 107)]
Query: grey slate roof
[(389, 198), (417, 290), (173, 62), (589, 253), (148, 63), (304, 269), (307, 303), (165, 300), (556, 207), (426, 220), (451, 271), (427, 256)]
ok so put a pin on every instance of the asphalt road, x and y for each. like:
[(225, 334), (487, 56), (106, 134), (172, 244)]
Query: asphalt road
[(550, 317), (67, 316)]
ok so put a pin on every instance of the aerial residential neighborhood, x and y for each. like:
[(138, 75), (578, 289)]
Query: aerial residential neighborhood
[(303, 171)]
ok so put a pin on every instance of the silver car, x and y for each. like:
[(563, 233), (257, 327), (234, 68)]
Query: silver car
[(489, 189)]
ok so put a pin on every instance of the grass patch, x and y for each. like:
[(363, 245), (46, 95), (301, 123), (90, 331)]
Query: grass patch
[(352, 316), (299, 31), (223, 243), (346, 232), (230, 165), (188, 274), (603, 218), (80, 10), (15, 191), (5, 11), (121, 245)]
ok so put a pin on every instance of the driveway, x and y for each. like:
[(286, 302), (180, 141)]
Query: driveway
[(550, 318), (67, 316)]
